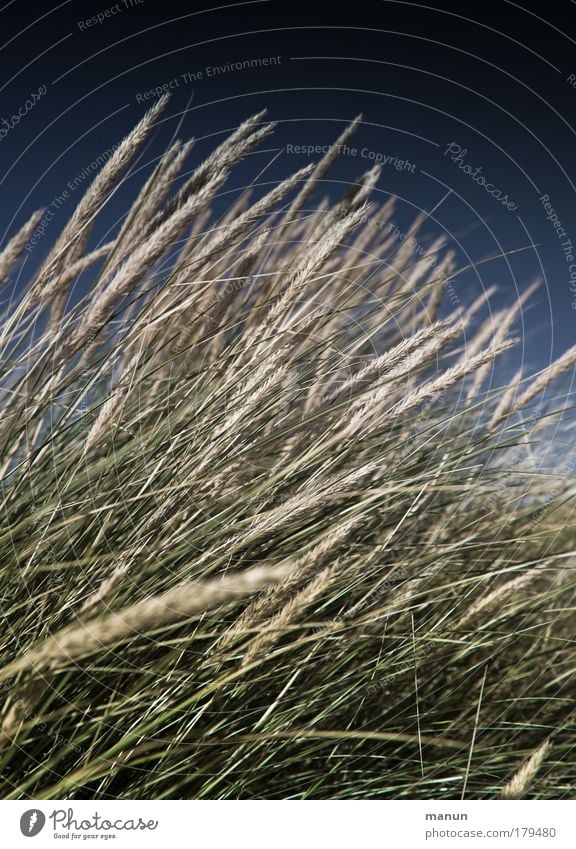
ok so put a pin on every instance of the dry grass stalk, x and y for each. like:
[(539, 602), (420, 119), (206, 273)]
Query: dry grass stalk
[(108, 414), (438, 386), (288, 614), (304, 568), (540, 383), (321, 169), (140, 262), (446, 266), (506, 401), (75, 234), (231, 151), (150, 199), (508, 590), (383, 365), (522, 781), (16, 245), (504, 324), (180, 603), (94, 603), (472, 310), (313, 261), (22, 707)]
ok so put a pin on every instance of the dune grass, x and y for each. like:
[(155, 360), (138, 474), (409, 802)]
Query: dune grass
[(267, 530)]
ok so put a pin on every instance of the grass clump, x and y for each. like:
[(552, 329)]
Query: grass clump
[(266, 533)]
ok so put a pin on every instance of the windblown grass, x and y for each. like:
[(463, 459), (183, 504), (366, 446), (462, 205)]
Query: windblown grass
[(266, 530)]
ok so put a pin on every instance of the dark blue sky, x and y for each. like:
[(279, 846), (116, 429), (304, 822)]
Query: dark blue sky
[(495, 83)]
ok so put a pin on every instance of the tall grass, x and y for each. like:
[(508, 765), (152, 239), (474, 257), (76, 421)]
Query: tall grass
[(267, 530)]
